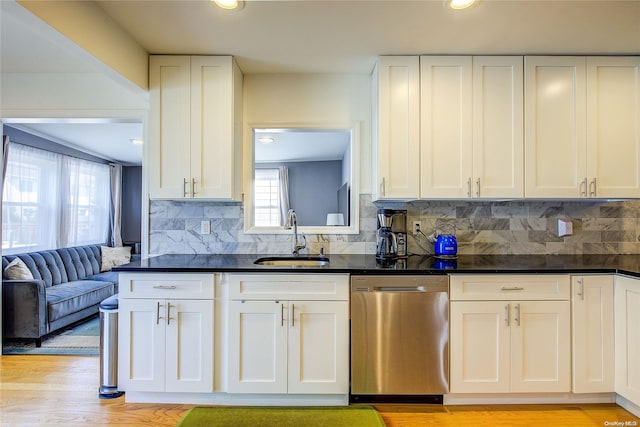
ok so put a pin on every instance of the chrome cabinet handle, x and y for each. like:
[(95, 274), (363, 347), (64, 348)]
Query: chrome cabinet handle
[(507, 315), (581, 290), (168, 313), (293, 315), (583, 188), (593, 188), (281, 314), (165, 287), (158, 313), (512, 288), (469, 187), (478, 187), (185, 190), (517, 318), (193, 187)]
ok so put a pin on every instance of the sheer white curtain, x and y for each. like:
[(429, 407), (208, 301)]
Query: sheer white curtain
[(283, 173), (30, 200), (86, 202), (116, 204), (52, 201)]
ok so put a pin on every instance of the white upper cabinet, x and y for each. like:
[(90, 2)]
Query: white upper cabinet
[(613, 126), (555, 127), (446, 141), (582, 133), (471, 127), (498, 135), (194, 124), (396, 127)]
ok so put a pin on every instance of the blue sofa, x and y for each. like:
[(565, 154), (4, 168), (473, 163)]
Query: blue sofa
[(67, 286)]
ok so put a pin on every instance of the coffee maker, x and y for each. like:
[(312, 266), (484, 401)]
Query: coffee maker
[(391, 236)]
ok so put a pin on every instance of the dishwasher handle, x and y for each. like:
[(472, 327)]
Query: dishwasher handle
[(398, 289)]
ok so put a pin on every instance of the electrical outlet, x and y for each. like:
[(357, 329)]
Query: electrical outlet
[(417, 227), (205, 227)]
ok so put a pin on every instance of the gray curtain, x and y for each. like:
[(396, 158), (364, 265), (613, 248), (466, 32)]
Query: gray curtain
[(283, 173), (5, 157), (116, 204)]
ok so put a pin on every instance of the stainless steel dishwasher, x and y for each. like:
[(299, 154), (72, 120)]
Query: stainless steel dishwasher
[(399, 338)]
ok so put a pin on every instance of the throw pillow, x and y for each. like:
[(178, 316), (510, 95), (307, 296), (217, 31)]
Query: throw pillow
[(17, 270), (112, 257)]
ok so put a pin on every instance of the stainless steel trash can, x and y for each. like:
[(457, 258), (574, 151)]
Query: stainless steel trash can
[(109, 349)]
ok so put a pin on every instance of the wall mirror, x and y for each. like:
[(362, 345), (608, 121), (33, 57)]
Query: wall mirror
[(313, 170)]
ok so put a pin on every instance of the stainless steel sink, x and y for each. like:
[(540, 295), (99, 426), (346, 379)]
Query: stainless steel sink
[(293, 261)]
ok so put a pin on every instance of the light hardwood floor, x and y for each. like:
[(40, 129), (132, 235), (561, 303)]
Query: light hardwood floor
[(63, 390)]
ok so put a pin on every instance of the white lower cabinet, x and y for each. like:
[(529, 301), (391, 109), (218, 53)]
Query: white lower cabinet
[(165, 344), (502, 342), (288, 346), (593, 333), (627, 338)]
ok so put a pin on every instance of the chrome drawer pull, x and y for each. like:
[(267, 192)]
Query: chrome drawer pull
[(507, 315), (165, 287), (158, 313), (512, 288)]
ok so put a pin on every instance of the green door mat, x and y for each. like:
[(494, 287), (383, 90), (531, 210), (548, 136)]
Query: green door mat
[(242, 416)]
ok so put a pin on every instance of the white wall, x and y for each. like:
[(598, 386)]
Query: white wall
[(296, 99), (68, 95)]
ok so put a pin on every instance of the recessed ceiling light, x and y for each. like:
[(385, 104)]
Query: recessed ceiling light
[(136, 141), (265, 139), (229, 4), (460, 4)]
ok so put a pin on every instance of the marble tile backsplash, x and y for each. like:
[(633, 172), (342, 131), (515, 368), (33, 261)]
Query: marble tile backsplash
[(514, 227)]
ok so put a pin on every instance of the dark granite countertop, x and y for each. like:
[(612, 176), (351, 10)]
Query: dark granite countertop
[(366, 264)]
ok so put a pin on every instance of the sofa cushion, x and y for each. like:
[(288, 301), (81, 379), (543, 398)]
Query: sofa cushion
[(107, 276), (17, 270), (46, 266), (112, 257), (80, 261), (71, 297)]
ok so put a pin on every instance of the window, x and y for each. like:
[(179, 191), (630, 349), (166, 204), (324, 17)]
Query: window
[(51, 201), (267, 198)]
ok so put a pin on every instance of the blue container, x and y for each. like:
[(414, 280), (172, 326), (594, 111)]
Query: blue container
[(446, 245)]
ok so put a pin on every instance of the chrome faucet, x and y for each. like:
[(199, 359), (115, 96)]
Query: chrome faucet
[(292, 221)]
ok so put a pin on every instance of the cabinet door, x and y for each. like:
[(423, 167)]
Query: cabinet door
[(398, 130), (540, 346), (498, 162), (613, 126), (555, 127), (213, 157), (319, 347), (445, 126), (627, 319), (141, 344), (592, 335), (189, 346), (169, 127), (479, 347), (257, 347)]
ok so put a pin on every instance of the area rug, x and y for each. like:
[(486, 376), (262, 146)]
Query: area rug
[(267, 416), (80, 339)]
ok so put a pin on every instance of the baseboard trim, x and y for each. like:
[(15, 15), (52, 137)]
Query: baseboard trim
[(527, 398), (628, 405)]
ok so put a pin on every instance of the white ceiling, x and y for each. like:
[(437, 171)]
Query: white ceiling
[(296, 145), (310, 36)]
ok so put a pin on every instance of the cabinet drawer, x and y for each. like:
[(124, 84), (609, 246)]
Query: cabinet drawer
[(510, 287), (163, 285), (321, 287)]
